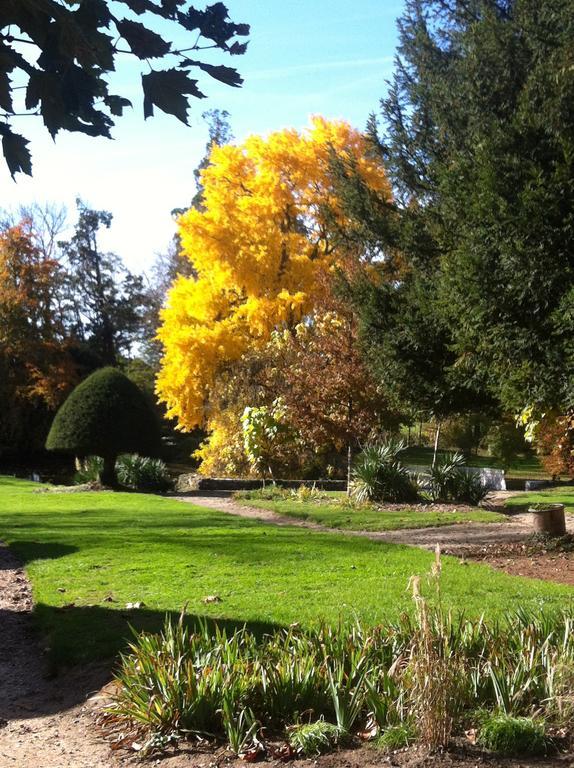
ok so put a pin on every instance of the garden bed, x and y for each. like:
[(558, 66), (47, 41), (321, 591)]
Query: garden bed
[(536, 558), (462, 754)]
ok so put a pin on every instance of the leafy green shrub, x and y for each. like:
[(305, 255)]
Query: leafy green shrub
[(377, 475), (143, 473), (105, 415), (444, 475), (138, 472), (269, 492), (448, 481), (509, 735), (313, 739)]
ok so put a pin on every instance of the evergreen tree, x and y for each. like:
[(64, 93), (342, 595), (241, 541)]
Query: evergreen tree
[(106, 301), (106, 415), (478, 138)]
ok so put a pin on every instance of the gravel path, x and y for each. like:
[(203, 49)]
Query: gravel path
[(44, 722), (454, 539)]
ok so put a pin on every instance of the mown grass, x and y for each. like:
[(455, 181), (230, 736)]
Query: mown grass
[(332, 512), (89, 554), (560, 495), (520, 468)]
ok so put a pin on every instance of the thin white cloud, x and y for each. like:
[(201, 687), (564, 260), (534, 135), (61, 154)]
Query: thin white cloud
[(320, 66)]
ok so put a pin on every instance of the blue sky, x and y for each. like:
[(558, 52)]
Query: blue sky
[(305, 57)]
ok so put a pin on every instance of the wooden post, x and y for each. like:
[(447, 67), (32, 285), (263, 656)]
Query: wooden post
[(436, 437)]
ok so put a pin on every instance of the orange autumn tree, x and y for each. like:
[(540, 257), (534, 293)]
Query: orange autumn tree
[(36, 369), (261, 249)]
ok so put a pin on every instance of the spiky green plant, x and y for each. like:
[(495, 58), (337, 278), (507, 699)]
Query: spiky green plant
[(378, 475), (312, 739), (431, 671)]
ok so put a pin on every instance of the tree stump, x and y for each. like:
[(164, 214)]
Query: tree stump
[(548, 519)]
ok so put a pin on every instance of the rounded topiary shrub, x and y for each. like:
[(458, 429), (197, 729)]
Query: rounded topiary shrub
[(105, 415)]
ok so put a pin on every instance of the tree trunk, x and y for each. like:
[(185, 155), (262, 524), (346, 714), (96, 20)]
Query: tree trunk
[(436, 437), (349, 467), (108, 475)]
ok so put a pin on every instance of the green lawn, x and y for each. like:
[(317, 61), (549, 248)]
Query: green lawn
[(333, 513), (108, 549), (521, 468), (562, 495)]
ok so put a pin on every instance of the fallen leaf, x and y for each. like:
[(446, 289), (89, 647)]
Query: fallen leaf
[(471, 735), (251, 755), (283, 752)]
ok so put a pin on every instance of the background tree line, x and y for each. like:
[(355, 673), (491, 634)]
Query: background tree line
[(327, 285), (66, 309)]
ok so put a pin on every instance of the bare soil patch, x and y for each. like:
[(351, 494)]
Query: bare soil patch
[(533, 558), (366, 757)]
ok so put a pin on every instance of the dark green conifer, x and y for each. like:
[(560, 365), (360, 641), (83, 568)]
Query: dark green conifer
[(105, 415)]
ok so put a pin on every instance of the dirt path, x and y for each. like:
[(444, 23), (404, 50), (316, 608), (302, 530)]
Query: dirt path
[(454, 539), (44, 722)]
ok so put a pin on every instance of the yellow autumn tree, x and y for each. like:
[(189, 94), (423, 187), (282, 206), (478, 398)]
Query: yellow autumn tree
[(260, 248)]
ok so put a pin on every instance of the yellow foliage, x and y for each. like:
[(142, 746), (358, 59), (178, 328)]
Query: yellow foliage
[(259, 247), (222, 455)]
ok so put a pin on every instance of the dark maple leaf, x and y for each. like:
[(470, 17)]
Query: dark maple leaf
[(16, 152), (167, 91), (144, 43)]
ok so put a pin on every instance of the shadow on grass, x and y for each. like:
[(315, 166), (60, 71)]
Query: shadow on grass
[(27, 551), (62, 655)]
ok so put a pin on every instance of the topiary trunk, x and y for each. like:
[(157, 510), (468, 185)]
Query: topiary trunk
[(108, 475)]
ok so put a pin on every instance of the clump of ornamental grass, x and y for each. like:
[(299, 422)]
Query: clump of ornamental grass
[(435, 671), (509, 735), (269, 492), (396, 737), (307, 493), (312, 739), (377, 475), (141, 473)]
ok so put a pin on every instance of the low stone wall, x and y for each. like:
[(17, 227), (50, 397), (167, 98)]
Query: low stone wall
[(199, 483), (491, 478)]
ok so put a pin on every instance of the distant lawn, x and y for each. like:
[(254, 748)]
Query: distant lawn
[(88, 554), (562, 495), (332, 512), (521, 467)]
